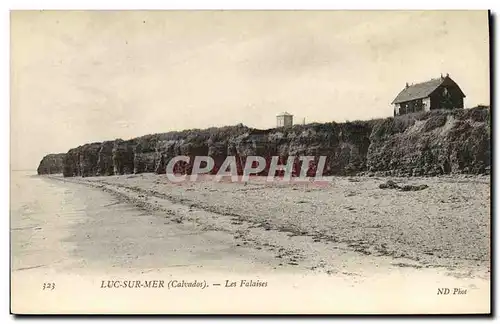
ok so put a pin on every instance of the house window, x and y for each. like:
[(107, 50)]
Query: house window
[(419, 105)]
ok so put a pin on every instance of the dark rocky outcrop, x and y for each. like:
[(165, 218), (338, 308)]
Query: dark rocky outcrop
[(51, 164), (420, 144), (71, 161), (123, 156), (88, 157), (432, 143), (390, 184), (105, 166)]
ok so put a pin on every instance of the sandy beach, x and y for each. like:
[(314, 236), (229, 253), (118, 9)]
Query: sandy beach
[(348, 234)]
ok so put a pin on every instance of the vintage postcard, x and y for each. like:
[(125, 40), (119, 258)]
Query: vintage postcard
[(250, 162)]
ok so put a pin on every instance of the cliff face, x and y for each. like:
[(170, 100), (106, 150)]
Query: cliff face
[(432, 143), (51, 164), (438, 142), (344, 145)]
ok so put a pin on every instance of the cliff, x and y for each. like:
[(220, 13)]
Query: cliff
[(432, 143), (429, 143), (51, 164)]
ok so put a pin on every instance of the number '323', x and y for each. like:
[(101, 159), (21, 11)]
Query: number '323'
[(49, 286)]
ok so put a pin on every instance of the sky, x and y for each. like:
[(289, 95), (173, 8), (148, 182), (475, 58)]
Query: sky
[(88, 76)]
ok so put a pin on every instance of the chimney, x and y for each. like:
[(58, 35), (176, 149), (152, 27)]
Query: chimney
[(406, 85), (447, 75), (442, 77)]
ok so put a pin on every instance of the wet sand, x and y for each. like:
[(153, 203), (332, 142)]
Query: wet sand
[(302, 238)]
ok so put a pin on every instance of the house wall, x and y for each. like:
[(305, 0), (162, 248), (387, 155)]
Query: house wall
[(288, 121), (284, 121), (427, 103), (438, 100), (396, 109), (280, 121), (411, 107)]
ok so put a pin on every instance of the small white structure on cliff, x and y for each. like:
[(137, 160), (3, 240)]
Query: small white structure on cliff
[(284, 119)]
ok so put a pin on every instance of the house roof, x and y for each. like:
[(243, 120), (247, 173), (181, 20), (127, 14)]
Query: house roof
[(421, 90), (284, 114), (418, 91)]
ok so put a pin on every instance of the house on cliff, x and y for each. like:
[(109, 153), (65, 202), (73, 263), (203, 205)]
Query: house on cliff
[(284, 119), (440, 93)]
